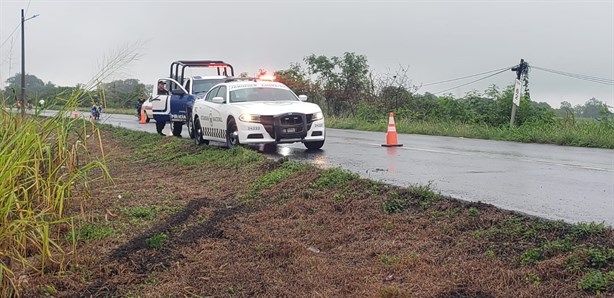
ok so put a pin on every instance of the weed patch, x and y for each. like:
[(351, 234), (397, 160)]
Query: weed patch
[(145, 213), (583, 230), (90, 232), (595, 281), (334, 178), (157, 241), (285, 170), (394, 203)]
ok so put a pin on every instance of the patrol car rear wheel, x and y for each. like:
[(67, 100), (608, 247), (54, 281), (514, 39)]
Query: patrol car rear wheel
[(232, 135), (198, 134)]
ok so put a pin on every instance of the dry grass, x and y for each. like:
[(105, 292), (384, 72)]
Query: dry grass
[(296, 239)]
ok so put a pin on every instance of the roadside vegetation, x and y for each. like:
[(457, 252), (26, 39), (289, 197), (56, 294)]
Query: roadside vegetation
[(186, 220), (353, 97), (46, 166)]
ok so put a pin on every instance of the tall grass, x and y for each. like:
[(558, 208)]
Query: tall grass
[(583, 133), (43, 164)]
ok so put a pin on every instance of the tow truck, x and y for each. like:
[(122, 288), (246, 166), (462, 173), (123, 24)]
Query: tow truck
[(175, 107)]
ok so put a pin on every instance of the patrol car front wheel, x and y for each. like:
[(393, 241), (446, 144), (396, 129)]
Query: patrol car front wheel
[(314, 145), (232, 135)]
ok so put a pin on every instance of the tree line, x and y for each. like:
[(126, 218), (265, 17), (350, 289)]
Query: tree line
[(344, 86), (115, 94)]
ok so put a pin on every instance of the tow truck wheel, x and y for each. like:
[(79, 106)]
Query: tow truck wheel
[(177, 127), (314, 145), (190, 125), (232, 134)]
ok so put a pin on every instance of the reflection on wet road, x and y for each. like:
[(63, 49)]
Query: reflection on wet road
[(556, 182)]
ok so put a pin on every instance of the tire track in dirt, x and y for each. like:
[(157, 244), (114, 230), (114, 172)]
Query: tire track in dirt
[(144, 259)]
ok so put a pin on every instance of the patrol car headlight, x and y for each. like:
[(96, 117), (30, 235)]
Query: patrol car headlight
[(250, 118), (317, 116)]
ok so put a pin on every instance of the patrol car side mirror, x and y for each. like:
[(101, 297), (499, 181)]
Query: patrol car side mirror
[(178, 91), (218, 99), (302, 97)]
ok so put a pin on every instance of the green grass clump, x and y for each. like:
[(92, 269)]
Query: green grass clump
[(146, 213), (554, 247), (90, 232), (531, 256), (583, 230), (334, 178), (473, 212), (285, 170), (157, 241), (424, 194), (234, 158), (394, 203), (595, 281)]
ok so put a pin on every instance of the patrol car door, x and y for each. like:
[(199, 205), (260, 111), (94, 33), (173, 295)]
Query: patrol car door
[(161, 102), (213, 119)]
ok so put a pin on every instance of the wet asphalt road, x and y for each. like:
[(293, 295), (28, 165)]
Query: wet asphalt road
[(556, 182)]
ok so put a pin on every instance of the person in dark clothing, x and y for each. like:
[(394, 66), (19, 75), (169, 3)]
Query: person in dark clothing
[(138, 106), (162, 88), (161, 91)]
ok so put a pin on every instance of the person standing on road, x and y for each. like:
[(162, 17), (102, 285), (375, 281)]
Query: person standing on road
[(139, 106), (161, 91)]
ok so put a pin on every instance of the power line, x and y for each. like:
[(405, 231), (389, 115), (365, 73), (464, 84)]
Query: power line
[(577, 76), (466, 77), (13, 32), (483, 78), (10, 35)]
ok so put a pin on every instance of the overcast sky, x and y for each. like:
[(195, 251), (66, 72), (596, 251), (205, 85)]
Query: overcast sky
[(437, 40)]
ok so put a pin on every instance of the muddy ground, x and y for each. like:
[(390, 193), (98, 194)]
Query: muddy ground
[(180, 228)]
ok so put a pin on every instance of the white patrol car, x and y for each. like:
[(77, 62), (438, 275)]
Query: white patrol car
[(257, 112)]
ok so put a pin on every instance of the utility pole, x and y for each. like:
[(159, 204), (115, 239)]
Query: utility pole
[(22, 96), (23, 63), (519, 69)]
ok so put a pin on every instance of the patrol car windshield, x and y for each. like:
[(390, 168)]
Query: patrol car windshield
[(202, 86), (261, 94)]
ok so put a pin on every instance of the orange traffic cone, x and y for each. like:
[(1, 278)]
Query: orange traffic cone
[(143, 117), (391, 135)]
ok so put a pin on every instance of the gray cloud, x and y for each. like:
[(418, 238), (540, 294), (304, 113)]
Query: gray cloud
[(438, 40)]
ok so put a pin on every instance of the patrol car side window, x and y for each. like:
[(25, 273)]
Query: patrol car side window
[(222, 93), (211, 94)]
